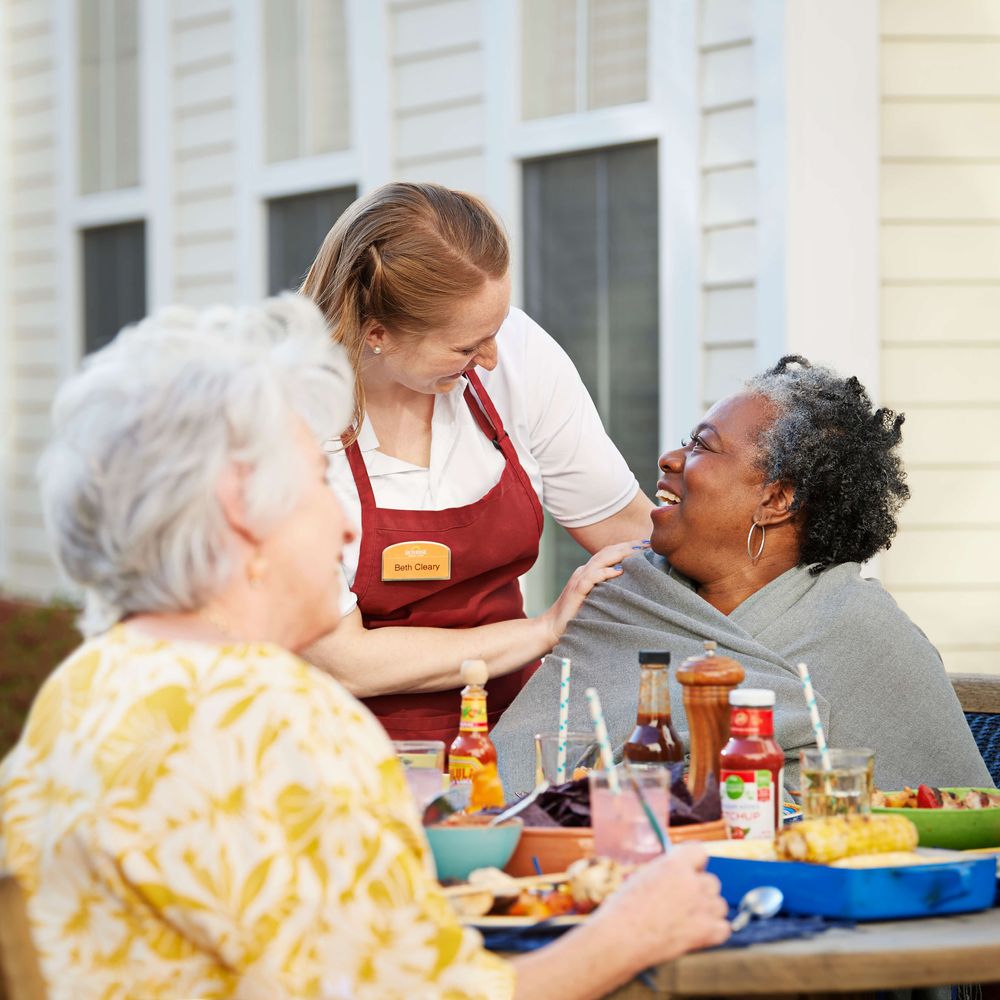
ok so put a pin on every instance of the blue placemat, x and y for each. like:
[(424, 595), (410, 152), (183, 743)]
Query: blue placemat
[(780, 928)]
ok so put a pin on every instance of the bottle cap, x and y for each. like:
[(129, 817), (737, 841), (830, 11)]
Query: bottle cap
[(474, 672), (658, 659), (752, 698)]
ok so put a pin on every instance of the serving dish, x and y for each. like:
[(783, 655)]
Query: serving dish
[(950, 883), (955, 829), (556, 847)]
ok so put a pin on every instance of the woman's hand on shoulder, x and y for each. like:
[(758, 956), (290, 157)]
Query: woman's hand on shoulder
[(605, 564)]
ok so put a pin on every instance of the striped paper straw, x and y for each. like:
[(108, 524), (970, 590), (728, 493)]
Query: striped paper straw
[(563, 721), (807, 688), (601, 732)]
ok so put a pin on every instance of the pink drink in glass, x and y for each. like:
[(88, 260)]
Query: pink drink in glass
[(621, 828), (425, 783)]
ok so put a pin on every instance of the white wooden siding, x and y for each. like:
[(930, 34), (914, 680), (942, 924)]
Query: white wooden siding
[(729, 195), (31, 333), (438, 100), (203, 94), (940, 268)]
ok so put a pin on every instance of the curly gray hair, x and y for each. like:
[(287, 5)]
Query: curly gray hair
[(143, 432), (840, 455)]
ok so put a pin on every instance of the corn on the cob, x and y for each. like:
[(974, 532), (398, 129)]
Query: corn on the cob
[(825, 840)]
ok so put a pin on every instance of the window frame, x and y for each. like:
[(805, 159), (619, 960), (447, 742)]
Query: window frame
[(671, 118), (148, 202), (365, 164)]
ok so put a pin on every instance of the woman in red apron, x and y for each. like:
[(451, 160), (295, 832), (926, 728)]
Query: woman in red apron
[(413, 280)]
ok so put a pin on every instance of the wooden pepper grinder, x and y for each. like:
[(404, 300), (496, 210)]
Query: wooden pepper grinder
[(707, 681)]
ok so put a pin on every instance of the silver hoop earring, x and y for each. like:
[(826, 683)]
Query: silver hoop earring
[(760, 549), (376, 349)]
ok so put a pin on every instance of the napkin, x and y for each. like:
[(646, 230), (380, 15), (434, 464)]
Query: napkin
[(569, 804)]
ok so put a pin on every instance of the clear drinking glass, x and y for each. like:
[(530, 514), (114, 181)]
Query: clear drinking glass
[(844, 790), (621, 828), (582, 753), (423, 761)]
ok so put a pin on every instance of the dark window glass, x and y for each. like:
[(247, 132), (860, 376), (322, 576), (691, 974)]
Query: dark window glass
[(591, 280), (114, 280), (296, 227)]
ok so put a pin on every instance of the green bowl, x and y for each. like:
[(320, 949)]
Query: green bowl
[(459, 850), (957, 829)]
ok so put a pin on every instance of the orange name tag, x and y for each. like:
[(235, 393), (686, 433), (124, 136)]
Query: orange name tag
[(416, 561)]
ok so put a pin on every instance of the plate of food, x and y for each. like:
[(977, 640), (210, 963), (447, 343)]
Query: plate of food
[(960, 819), (492, 899)]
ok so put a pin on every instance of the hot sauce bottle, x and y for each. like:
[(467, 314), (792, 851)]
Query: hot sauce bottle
[(752, 767), (654, 740), (472, 756)]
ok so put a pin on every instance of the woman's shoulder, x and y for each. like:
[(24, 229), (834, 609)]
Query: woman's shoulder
[(862, 606)]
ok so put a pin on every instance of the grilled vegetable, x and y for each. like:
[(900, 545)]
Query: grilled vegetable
[(825, 840), (928, 798)]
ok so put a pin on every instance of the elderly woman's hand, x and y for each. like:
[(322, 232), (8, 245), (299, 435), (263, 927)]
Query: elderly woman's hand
[(668, 907), (604, 564)]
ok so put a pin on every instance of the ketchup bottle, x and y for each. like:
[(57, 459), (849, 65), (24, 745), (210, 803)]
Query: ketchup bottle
[(654, 739), (472, 756), (752, 767)]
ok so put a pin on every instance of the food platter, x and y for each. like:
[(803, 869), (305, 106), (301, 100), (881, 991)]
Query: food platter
[(946, 883), (956, 829), (499, 923)]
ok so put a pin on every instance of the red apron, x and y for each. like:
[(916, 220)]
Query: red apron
[(493, 542)]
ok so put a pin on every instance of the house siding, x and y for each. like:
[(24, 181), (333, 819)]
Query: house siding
[(940, 303), (729, 198), (438, 96), (31, 331), (203, 198)]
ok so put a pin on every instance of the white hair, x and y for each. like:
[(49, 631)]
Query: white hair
[(144, 431)]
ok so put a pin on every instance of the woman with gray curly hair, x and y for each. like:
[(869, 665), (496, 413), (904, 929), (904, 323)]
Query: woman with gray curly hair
[(192, 809), (767, 512)]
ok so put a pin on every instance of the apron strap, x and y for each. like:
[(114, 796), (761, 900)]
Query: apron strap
[(489, 421)]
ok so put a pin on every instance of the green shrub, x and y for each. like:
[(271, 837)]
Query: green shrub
[(33, 640)]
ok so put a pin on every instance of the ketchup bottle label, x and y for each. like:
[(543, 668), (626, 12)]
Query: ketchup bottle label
[(748, 803)]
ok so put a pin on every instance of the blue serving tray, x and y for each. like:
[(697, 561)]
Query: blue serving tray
[(955, 885)]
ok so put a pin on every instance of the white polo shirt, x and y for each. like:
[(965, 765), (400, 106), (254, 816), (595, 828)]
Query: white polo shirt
[(578, 473)]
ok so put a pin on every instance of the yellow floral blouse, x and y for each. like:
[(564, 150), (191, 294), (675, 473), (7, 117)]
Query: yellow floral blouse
[(195, 820)]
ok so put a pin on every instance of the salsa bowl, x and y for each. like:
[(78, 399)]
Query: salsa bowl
[(459, 850)]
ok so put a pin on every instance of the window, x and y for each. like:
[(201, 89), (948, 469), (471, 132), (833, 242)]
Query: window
[(114, 280), (108, 52), (296, 227), (578, 55), (591, 280), (305, 78)]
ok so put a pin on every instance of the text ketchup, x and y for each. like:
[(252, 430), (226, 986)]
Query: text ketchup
[(752, 767)]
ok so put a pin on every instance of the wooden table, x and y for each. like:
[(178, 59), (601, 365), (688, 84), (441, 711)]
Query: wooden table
[(937, 951)]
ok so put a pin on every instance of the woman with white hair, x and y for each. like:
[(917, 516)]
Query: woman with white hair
[(192, 809)]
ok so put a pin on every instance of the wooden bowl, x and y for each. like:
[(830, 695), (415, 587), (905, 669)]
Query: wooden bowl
[(556, 847)]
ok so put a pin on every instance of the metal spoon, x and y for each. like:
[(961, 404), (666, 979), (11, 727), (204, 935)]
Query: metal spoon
[(763, 902), (452, 801), (518, 806)]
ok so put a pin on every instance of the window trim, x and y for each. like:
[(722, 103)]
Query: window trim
[(364, 165), (671, 118), (149, 202)]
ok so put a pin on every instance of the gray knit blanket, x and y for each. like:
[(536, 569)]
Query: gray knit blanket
[(879, 682)]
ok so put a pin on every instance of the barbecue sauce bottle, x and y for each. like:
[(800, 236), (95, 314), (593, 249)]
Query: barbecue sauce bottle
[(654, 740), (472, 756)]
